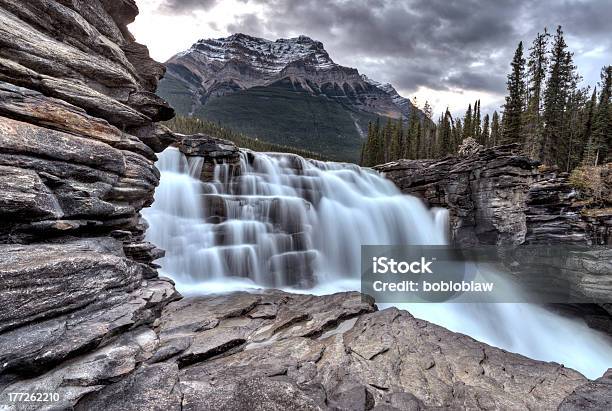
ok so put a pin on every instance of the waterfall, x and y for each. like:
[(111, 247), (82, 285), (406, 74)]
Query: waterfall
[(286, 222)]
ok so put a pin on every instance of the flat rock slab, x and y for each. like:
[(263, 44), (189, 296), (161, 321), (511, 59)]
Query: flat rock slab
[(274, 350)]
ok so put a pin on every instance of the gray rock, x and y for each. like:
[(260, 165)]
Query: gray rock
[(76, 276), (150, 387), (594, 395), (485, 192)]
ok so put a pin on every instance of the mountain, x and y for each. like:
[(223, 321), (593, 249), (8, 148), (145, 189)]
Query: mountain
[(287, 91)]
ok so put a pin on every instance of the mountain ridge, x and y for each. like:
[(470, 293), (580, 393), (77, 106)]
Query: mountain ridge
[(249, 83)]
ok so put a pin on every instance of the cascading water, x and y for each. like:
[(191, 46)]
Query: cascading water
[(286, 222)]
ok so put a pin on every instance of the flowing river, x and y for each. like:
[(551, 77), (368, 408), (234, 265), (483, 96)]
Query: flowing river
[(298, 225)]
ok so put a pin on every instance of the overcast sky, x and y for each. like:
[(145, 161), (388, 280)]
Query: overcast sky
[(449, 52)]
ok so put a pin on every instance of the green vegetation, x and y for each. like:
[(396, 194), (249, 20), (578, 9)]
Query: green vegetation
[(399, 139), (591, 185), (175, 93), (191, 125), (281, 115), (554, 120)]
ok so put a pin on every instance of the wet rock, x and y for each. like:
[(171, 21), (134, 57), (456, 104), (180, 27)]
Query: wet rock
[(212, 151), (384, 360), (485, 191)]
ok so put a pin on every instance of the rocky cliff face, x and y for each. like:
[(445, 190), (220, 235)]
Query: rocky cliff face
[(485, 193), (496, 196), (77, 151)]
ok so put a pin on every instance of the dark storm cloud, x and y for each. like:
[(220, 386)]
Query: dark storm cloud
[(183, 6), (441, 44)]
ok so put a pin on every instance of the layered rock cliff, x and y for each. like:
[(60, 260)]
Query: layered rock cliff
[(497, 196), (77, 149)]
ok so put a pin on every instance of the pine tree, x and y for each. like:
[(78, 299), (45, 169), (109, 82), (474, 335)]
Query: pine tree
[(445, 134), (515, 100), (590, 147), (387, 134), (477, 131), (536, 63), (427, 132), (574, 129), (555, 98), (458, 136), (417, 141), (495, 130), (412, 133), (467, 123), (484, 136), (602, 127), (397, 142)]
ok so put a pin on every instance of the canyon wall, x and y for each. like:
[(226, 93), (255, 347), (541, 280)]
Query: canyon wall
[(497, 196), (77, 149)]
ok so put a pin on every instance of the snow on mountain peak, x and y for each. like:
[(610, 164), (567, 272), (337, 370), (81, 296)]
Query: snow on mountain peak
[(266, 55), (269, 60)]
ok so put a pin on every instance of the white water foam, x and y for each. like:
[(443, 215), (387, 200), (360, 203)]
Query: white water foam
[(298, 225)]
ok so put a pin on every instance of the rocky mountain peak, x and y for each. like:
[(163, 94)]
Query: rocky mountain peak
[(264, 55), (257, 77)]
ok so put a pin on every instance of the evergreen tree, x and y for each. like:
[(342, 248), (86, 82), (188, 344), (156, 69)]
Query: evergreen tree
[(477, 131), (602, 127), (387, 135), (445, 134), (495, 130), (397, 142), (515, 100), (555, 99), (574, 135), (536, 65), (590, 147), (427, 130), (458, 136), (467, 123), (412, 134), (484, 136)]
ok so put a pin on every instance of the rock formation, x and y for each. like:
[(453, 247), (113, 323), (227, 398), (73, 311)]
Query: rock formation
[(283, 351), (497, 196), (485, 192), (77, 143)]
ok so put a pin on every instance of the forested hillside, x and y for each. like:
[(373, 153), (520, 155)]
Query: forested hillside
[(191, 125)]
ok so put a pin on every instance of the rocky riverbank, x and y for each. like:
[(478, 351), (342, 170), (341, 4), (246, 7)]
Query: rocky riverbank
[(284, 351), (497, 196)]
